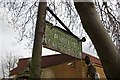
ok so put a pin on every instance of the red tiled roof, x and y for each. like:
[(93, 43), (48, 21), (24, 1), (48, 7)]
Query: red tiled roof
[(46, 62), (21, 66), (56, 59), (50, 61)]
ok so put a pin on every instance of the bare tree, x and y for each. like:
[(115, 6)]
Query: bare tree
[(23, 14), (106, 50), (109, 16), (8, 62), (107, 11)]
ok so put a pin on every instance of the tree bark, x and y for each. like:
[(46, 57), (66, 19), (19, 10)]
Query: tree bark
[(106, 50), (35, 68)]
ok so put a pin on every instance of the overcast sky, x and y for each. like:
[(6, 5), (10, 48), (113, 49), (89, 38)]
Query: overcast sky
[(8, 37)]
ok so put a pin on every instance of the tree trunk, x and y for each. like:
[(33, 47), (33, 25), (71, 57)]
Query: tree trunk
[(106, 50), (35, 68)]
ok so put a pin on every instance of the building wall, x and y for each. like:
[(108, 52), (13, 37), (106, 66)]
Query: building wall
[(100, 71), (75, 69)]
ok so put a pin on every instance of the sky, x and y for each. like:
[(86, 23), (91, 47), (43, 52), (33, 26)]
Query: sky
[(8, 38)]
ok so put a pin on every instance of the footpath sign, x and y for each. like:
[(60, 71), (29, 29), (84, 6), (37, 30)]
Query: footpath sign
[(58, 39)]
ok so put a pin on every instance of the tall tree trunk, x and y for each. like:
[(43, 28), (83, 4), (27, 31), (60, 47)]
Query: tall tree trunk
[(35, 68), (106, 50)]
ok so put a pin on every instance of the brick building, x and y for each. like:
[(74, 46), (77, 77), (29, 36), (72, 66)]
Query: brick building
[(59, 66)]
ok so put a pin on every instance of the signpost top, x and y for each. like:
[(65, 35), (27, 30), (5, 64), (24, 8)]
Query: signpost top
[(60, 40)]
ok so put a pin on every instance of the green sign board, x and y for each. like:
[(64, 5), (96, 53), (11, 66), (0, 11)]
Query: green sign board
[(59, 40)]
